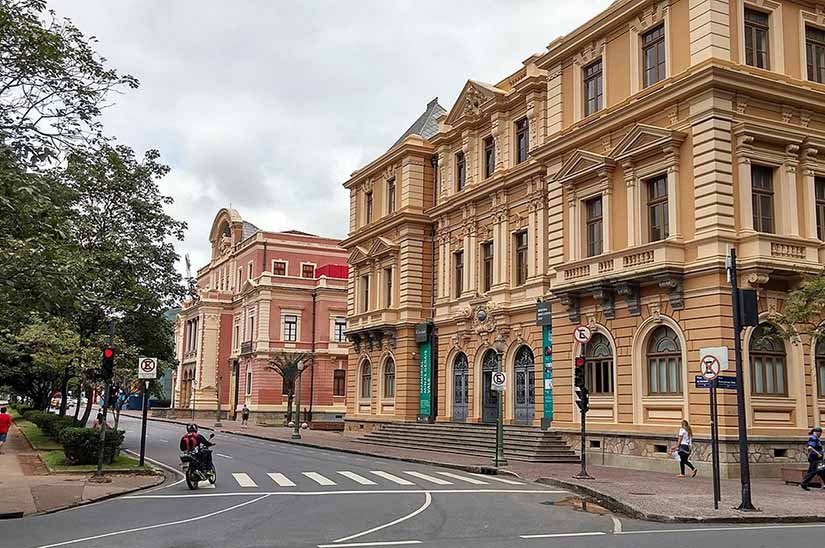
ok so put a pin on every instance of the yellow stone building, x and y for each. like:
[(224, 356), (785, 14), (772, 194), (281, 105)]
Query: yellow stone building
[(609, 175)]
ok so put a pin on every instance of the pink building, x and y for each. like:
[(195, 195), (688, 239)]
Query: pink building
[(261, 293)]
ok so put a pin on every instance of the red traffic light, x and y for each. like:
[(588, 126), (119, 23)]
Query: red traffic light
[(579, 361), (108, 353)]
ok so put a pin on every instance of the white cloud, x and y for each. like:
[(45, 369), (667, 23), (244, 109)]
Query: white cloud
[(270, 105)]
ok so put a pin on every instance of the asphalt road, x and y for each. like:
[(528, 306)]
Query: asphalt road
[(276, 495)]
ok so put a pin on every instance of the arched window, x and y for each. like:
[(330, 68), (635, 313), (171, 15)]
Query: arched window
[(598, 364), (366, 380), (767, 354), (525, 376), (389, 378), (664, 363), (820, 367)]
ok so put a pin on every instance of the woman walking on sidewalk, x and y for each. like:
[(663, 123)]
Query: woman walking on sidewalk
[(815, 460), (684, 444)]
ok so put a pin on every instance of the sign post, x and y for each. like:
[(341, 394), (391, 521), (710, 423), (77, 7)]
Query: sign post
[(147, 371), (712, 362), (545, 320)]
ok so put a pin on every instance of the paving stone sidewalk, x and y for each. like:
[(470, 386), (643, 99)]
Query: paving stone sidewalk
[(645, 495), (28, 488)]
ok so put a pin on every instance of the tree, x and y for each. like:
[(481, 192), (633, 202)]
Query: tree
[(804, 310), (286, 365)]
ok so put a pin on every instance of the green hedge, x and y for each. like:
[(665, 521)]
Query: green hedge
[(80, 445), (51, 425)]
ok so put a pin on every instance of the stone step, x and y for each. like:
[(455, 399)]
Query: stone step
[(510, 454), (470, 440), (478, 430)]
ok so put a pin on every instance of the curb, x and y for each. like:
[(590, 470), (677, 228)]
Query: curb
[(161, 479), (617, 506), (475, 469)]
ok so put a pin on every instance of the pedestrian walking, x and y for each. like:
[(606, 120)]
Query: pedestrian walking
[(5, 424), (684, 445), (244, 416), (816, 464)]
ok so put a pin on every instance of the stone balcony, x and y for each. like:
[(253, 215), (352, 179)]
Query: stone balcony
[(780, 253)]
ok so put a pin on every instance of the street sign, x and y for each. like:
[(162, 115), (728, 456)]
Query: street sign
[(544, 316), (710, 367), (148, 368), (728, 383), (499, 381), (582, 334), (720, 352)]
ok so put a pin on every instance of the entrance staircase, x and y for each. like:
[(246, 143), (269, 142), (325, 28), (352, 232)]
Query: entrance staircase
[(521, 443)]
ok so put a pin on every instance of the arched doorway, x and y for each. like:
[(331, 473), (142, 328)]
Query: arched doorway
[(525, 386), (460, 391), (489, 402)]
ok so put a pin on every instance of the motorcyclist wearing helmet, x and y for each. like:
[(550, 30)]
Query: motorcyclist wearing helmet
[(192, 441)]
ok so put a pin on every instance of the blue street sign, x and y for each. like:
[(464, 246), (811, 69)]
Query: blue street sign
[(722, 382)]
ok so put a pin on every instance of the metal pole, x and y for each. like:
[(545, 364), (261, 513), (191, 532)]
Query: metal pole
[(143, 421), (583, 473), (296, 431), (193, 399), (714, 434), (312, 372), (99, 471), (218, 411), (744, 464), (500, 460)]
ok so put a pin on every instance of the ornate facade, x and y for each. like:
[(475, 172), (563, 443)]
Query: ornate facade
[(610, 175), (263, 292)]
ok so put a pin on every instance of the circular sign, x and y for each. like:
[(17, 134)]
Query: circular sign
[(582, 334), (499, 378), (147, 365), (710, 367)]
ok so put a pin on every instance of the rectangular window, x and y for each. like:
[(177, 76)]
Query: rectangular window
[(653, 56), (593, 94), (251, 328), (340, 327), (489, 156), (762, 198), (815, 49), (339, 382), (240, 278), (593, 227), (820, 375), (756, 39), (388, 287), (290, 328), (819, 186), (308, 271), (248, 383), (458, 262), (249, 270), (365, 293), (657, 208), (522, 140), (599, 376), (236, 337), (368, 207), (279, 268), (391, 196), (521, 257), (487, 266), (460, 171)]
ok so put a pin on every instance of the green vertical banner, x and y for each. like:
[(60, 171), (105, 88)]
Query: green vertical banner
[(426, 385), (547, 370)]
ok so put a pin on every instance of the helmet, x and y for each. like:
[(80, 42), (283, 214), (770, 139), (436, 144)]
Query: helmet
[(192, 427)]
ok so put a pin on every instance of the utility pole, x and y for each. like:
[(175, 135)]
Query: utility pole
[(218, 411), (500, 459)]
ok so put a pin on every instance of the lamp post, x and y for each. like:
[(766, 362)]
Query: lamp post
[(296, 432), (218, 412), (500, 460)]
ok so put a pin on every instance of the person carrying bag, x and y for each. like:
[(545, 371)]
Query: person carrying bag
[(684, 445)]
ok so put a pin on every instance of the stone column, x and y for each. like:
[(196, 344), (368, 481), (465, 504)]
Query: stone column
[(607, 216), (633, 228), (207, 364), (574, 244), (808, 168), (788, 196), (673, 212), (743, 165), (471, 252)]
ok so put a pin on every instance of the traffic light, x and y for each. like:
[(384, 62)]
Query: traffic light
[(582, 395), (108, 362)]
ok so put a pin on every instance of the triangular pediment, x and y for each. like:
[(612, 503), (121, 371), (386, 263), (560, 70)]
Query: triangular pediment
[(381, 246), (358, 255), (644, 139), (472, 99), (248, 286), (582, 165)]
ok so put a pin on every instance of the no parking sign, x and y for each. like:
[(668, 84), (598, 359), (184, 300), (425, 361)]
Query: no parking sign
[(148, 368)]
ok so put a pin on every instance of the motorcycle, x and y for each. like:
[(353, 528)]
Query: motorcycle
[(194, 467)]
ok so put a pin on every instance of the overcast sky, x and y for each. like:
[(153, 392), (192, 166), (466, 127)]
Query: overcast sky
[(270, 105)]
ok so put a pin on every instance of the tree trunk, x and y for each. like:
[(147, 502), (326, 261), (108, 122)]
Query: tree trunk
[(90, 395), (64, 390), (117, 415), (77, 405), (289, 407)]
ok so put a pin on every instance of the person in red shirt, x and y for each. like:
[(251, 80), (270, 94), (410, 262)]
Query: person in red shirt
[(5, 424)]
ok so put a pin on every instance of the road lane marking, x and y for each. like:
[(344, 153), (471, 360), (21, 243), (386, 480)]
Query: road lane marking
[(318, 478), (617, 525), (166, 466), (357, 478), (281, 479), (502, 480), (244, 480), (394, 479), (222, 455), (157, 526), (163, 441), (428, 499), (362, 492), (437, 481), (378, 543), (206, 485), (563, 535), (462, 478)]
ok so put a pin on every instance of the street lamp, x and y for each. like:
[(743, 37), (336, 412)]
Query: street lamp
[(500, 460), (296, 432)]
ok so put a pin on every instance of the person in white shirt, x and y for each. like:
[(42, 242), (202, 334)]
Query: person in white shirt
[(684, 444)]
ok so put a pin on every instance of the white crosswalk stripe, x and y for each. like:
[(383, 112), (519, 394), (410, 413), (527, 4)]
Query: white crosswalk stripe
[(498, 478), (281, 480), (356, 478), (318, 478), (244, 480), (463, 478), (394, 479), (425, 477)]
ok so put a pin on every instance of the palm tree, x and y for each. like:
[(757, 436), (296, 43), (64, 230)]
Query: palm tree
[(286, 365)]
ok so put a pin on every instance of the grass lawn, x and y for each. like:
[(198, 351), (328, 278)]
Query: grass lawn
[(36, 437), (56, 461)]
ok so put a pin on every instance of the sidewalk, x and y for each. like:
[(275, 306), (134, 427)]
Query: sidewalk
[(28, 488), (644, 495)]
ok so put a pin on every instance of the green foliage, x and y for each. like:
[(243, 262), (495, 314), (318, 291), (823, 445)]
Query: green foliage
[(56, 462), (81, 445), (37, 438), (804, 309)]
